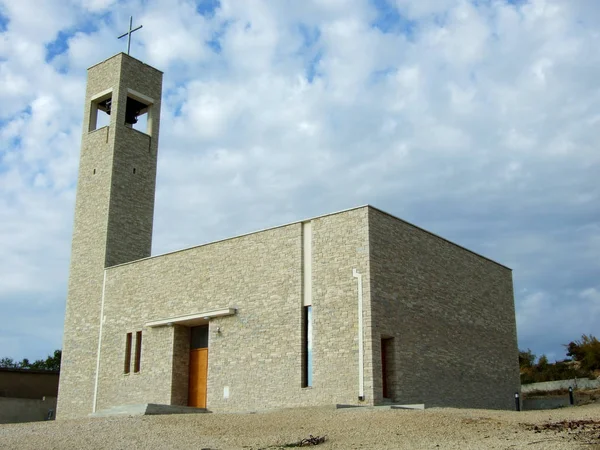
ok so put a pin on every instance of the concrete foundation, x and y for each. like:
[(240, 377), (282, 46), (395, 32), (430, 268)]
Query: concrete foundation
[(147, 409)]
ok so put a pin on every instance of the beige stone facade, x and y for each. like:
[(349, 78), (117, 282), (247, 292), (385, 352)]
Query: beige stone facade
[(113, 213), (448, 314)]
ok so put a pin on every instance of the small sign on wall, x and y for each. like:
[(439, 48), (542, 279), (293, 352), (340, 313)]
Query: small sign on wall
[(226, 392)]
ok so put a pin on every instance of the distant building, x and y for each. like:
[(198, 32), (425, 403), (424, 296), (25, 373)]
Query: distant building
[(27, 395), (355, 307)]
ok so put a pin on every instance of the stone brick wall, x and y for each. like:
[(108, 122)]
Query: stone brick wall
[(181, 359), (132, 194), (451, 315), (19, 410), (257, 354), (340, 244), (113, 217)]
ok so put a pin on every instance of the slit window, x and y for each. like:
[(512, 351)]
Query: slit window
[(138, 352), (307, 347), (387, 366), (127, 365)]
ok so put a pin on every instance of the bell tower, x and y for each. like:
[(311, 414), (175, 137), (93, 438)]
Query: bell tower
[(114, 208)]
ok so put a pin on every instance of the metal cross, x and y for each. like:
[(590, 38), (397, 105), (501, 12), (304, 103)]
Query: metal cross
[(129, 33)]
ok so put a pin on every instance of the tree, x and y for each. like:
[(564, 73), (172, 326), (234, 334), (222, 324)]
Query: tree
[(526, 359), (9, 363), (542, 363), (52, 362), (543, 370), (585, 351)]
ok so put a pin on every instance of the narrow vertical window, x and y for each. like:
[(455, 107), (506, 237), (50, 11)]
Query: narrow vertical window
[(138, 352), (387, 367), (127, 353), (307, 347)]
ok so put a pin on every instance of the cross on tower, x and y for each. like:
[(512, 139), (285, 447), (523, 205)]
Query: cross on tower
[(129, 33)]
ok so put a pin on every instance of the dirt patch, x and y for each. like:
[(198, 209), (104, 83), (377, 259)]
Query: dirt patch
[(306, 442), (356, 428), (586, 431)]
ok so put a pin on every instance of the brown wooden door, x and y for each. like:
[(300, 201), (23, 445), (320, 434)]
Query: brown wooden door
[(198, 377)]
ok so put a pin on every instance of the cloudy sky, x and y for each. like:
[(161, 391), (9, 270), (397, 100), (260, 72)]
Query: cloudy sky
[(477, 120)]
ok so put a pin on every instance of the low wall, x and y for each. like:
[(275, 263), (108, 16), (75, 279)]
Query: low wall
[(549, 402), (15, 410), (578, 383)]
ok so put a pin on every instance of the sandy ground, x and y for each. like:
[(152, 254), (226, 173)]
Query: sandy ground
[(345, 429)]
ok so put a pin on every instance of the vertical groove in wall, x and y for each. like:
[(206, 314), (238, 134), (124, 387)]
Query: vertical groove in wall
[(372, 332), (306, 263), (306, 233)]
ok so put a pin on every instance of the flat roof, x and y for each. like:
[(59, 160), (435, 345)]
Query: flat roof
[(439, 237), (124, 54), (307, 220), (29, 371)]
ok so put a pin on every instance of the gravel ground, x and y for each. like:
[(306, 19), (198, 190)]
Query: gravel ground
[(355, 428)]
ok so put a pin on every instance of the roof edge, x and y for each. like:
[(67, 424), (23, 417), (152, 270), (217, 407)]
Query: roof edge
[(307, 220), (124, 54), (239, 236), (438, 236)]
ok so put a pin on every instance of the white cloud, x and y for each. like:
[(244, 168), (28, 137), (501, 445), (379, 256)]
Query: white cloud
[(37, 20), (97, 5), (477, 122), (423, 8)]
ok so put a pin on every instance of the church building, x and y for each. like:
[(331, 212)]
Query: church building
[(356, 307)]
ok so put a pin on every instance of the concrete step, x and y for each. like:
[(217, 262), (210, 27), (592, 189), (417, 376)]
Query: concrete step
[(147, 409), (415, 406)]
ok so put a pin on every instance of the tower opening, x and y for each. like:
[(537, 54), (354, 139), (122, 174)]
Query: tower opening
[(133, 110), (138, 112), (102, 103)]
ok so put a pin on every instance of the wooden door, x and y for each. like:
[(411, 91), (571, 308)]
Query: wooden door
[(198, 377)]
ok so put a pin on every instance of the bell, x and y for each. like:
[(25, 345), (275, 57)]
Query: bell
[(131, 117), (132, 110)]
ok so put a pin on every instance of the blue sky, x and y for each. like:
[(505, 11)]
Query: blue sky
[(477, 120)]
